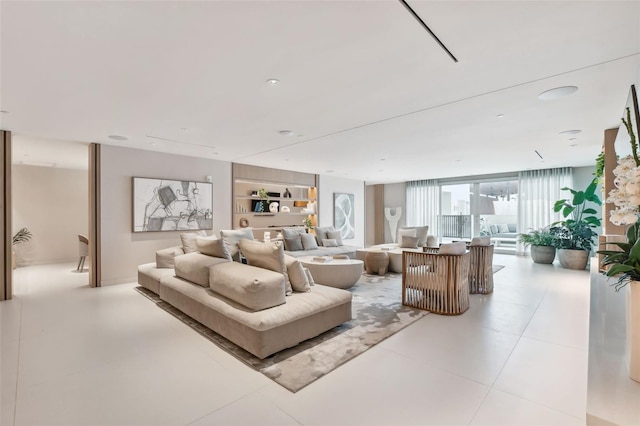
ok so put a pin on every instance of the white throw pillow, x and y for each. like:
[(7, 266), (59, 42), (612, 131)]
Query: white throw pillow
[(335, 235), (321, 232), (297, 277), (503, 228), (411, 232), (453, 248), (409, 242), (480, 241), (231, 238), (329, 243), (213, 247), (309, 241), (265, 255), (189, 241)]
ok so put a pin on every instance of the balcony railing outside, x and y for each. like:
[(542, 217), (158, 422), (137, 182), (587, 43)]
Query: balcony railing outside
[(455, 225)]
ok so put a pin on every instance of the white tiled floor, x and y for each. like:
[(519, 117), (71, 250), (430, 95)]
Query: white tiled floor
[(74, 355)]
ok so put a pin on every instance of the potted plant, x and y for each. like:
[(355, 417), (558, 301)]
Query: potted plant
[(574, 235), (22, 236), (624, 263), (542, 244)]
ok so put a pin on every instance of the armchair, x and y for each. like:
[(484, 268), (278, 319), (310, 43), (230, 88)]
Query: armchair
[(437, 282)]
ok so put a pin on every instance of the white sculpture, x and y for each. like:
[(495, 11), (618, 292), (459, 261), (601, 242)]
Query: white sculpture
[(285, 209), (393, 217), (273, 207)]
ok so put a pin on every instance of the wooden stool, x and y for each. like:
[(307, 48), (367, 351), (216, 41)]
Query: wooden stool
[(376, 262)]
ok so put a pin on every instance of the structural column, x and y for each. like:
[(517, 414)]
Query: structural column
[(6, 290), (95, 271)]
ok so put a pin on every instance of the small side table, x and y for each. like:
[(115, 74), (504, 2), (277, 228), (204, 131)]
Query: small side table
[(376, 262)]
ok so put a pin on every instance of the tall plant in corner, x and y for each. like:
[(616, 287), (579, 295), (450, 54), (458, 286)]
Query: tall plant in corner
[(625, 262)]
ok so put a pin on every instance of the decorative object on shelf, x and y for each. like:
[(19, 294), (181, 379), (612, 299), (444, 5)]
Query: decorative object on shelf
[(624, 263), (244, 222), (259, 207), (267, 236), (542, 245), (574, 235), (285, 209), (307, 222), (343, 214), (287, 193), (310, 208), (263, 194), (279, 236), (273, 207), (171, 205)]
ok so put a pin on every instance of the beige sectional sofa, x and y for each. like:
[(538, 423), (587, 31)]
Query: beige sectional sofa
[(327, 241), (264, 306), (408, 239)]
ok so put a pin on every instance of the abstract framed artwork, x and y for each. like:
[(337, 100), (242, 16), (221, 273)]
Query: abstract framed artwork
[(171, 205), (343, 214)]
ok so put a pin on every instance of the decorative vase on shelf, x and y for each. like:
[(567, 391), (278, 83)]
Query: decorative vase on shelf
[(633, 330), (287, 193), (273, 207)]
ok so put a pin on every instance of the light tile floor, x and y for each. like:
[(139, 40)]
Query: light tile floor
[(73, 355)]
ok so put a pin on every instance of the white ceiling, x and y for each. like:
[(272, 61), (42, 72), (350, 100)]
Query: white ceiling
[(367, 92)]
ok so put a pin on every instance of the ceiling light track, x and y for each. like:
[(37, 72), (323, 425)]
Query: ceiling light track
[(426, 27)]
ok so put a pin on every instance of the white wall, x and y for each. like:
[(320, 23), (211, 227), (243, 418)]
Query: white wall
[(328, 186), (123, 250), (53, 204)]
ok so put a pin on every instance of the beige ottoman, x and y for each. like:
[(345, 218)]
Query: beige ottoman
[(338, 273), (377, 262)]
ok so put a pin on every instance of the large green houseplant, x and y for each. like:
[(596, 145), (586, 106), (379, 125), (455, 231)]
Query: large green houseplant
[(542, 244), (574, 235)]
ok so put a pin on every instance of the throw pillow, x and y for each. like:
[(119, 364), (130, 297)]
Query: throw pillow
[(165, 257), (335, 235), (329, 243), (297, 277), (409, 242), (213, 247), (422, 232), (321, 232), (503, 228), (189, 241), (309, 241), (293, 232), (480, 241), (309, 276), (293, 244), (411, 232), (493, 229), (231, 238), (265, 255), (453, 248)]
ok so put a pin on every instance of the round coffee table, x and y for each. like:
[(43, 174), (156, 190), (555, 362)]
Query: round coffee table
[(338, 273)]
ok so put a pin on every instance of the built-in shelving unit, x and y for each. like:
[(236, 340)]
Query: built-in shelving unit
[(302, 202)]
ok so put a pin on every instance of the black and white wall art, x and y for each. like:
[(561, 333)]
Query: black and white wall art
[(343, 214), (171, 205)]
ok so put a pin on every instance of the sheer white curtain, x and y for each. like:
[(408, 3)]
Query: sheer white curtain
[(538, 190), (423, 204)]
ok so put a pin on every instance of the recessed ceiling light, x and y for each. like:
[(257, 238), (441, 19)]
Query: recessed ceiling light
[(558, 92), (214, 153), (382, 159), (118, 138), (328, 171), (273, 81), (500, 115), (286, 132), (570, 132), (573, 144), (572, 139)]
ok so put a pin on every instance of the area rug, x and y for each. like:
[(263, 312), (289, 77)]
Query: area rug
[(377, 314), (496, 268)]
